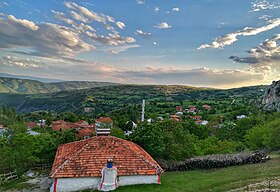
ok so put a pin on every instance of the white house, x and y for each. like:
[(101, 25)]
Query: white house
[(241, 117), (81, 165), (103, 126)]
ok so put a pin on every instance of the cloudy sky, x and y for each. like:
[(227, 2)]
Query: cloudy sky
[(209, 43)]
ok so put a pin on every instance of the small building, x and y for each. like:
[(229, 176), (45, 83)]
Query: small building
[(241, 117), (192, 110), (197, 117), (31, 125), (78, 165), (201, 122), (85, 133), (33, 133), (179, 108), (103, 126), (207, 107), (60, 125), (175, 117)]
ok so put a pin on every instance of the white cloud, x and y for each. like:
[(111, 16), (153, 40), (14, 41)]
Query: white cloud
[(46, 39), (230, 38), (264, 59), (78, 17), (62, 17), (120, 25), (13, 61), (119, 49), (207, 77), (267, 51), (162, 25), (156, 9), (175, 9), (143, 34), (23, 22), (260, 5), (140, 2)]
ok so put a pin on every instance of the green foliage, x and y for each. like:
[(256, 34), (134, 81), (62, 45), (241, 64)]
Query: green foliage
[(213, 145), (117, 133), (265, 136), (167, 140)]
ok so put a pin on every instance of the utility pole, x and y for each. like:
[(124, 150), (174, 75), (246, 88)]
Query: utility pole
[(143, 111)]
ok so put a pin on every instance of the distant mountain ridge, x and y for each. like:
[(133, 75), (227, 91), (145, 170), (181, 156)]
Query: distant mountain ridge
[(44, 80), (26, 86)]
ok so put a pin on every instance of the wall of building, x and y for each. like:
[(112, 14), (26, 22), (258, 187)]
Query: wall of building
[(77, 184), (137, 179)]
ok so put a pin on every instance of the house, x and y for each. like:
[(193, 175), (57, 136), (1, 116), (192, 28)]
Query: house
[(31, 125), (192, 110), (85, 133), (33, 133), (207, 107), (150, 120), (60, 125), (103, 126), (179, 108), (81, 165), (201, 122), (197, 117), (179, 113), (175, 117), (3, 130), (241, 117)]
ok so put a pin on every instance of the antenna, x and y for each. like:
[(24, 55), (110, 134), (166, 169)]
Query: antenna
[(143, 111)]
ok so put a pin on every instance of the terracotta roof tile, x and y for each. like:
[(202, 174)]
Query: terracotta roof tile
[(87, 157), (104, 120)]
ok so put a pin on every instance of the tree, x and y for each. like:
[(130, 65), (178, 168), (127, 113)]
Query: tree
[(167, 140), (117, 133)]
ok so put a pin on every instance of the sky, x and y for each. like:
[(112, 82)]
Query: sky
[(205, 43)]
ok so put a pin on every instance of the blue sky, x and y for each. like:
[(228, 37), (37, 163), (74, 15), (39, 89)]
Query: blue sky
[(210, 43)]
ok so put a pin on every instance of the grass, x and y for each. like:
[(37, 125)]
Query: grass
[(18, 184), (212, 180)]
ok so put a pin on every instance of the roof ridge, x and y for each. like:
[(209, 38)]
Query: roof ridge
[(74, 154), (139, 155)]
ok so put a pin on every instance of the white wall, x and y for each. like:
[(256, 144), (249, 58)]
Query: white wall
[(137, 179), (76, 184)]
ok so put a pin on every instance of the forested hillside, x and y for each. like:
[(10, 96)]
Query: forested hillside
[(108, 98), (25, 86)]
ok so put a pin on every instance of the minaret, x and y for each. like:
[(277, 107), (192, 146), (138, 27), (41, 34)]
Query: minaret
[(143, 111)]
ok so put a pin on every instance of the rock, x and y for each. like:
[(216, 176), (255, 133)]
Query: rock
[(270, 101)]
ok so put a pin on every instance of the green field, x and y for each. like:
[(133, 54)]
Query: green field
[(213, 180)]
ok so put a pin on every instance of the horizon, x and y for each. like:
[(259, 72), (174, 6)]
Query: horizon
[(209, 44), (46, 80)]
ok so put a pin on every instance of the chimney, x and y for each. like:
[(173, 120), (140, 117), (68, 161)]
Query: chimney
[(110, 163)]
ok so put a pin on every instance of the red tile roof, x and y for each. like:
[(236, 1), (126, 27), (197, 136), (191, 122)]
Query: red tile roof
[(58, 127), (104, 120), (31, 124), (87, 157), (58, 122), (85, 132)]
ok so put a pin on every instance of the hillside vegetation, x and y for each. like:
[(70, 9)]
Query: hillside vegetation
[(25, 86), (109, 98)]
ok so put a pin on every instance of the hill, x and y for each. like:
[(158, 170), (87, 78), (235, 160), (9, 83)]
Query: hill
[(44, 80), (26, 86), (270, 101), (104, 99)]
